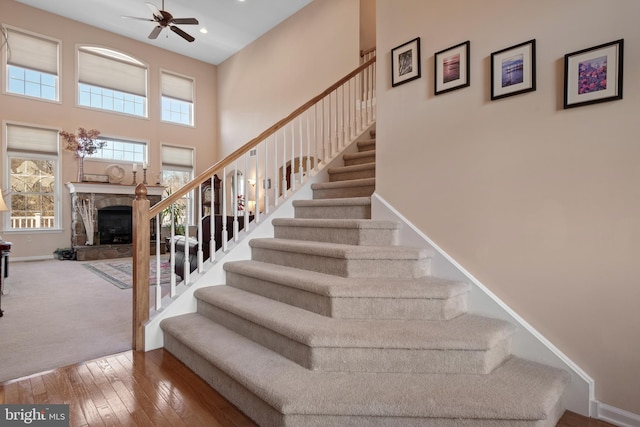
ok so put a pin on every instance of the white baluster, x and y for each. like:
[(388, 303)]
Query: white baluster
[(225, 232), (187, 264), (265, 182), (158, 265), (236, 227), (246, 193), (200, 241), (212, 220)]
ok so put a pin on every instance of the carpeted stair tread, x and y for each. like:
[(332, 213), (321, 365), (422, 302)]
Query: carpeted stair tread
[(364, 182), (346, 201), (359, 157), (366, 145), (466, 332), (344, 260), (346, 207), (332, 250), (345, 231), (338, 223), (359, 171), (333, 286), (425, 298), (517, 390)]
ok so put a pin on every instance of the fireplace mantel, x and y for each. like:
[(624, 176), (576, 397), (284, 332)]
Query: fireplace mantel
[(103, 188)]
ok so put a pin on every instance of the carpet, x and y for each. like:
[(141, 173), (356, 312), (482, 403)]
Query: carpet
[(119, 272)]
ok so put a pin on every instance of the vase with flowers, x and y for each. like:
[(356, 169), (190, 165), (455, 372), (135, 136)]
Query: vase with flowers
[(85, 143)]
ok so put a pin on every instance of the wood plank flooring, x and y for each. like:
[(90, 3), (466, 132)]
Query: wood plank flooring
[(146, 389)]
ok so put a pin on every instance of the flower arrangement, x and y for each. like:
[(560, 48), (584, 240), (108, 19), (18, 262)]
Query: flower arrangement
[(84, 143)]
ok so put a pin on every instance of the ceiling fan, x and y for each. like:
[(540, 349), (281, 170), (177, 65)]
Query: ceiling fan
[(165, 19)]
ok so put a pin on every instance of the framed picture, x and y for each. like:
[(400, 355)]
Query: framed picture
[(513, 70), (452, 68), (593, 75), (405, 62), (88, 177)]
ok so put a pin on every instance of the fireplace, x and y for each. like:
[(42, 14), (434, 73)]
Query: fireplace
[(113, 234), (114, 225)]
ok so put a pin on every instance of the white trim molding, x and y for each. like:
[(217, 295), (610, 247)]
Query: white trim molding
[(527, 343), (616, 416)]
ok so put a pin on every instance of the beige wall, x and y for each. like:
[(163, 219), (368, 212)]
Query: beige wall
[(367, 24), (539, 203), (285, 68), (69, 117)]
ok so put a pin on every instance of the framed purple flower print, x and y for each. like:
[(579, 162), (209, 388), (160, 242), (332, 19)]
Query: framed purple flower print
[(593, 75)]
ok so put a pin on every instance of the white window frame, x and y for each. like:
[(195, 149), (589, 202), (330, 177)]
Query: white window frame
[(99, 155), (179, 88), (181, 165), (130, 80), (6, 177), (36, 63)]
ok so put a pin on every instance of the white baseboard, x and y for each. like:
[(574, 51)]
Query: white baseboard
[(527, 342), (30, 258), (616, 416)]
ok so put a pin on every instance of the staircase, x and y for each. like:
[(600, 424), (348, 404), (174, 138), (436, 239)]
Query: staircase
[(333, 323)]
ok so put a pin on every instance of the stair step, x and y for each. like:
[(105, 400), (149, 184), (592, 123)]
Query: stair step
[(344, 260), (347, 208), (364, 232), (346, 173), (359, 158), (352, 188), (366, 145), (426, 298), (465, 345), (274, 391)]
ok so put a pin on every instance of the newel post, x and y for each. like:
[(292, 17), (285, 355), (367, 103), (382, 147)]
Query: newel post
[(141, 254)]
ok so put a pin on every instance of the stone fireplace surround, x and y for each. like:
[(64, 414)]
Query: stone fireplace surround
[(104, 195)]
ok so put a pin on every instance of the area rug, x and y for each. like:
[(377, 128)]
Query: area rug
[(120, 271)]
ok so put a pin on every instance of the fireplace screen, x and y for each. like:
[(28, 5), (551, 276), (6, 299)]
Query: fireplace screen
[(114, 225)]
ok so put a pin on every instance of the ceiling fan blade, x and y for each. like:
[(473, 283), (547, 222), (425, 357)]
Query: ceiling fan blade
[(182, 34), (138, 19), (154, 9), (155, 32), (185, 21)]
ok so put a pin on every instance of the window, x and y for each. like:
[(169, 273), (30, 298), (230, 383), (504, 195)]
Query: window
[(121, 150), (177, 98), (113, 81), (32, 164), (177, 170), (32, 65)]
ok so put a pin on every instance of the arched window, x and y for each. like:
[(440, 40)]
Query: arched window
[(111, 80)]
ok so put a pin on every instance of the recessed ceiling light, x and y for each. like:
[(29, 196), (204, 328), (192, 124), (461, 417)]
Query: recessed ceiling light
[(203, 30)]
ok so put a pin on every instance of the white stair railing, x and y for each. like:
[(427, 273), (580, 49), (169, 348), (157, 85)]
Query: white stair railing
[(249, 184)]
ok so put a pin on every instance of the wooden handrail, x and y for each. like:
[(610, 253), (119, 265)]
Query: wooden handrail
[(143, 213), (178, 194), (367, 51)]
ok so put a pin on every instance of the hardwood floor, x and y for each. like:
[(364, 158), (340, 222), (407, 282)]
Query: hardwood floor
[(146, 389)]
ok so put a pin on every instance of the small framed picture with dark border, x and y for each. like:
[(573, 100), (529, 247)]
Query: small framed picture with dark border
[(452, 68), (593, 75), (513, 70), (405, 62)]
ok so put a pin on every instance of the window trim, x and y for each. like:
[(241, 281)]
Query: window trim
[(126, 140), (192, 117), (132, 59), (5, 179), (5, 64)]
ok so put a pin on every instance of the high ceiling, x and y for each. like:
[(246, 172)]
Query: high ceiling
[(230, 24)]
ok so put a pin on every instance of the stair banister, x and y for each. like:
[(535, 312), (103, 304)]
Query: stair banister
[(143, 212)]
